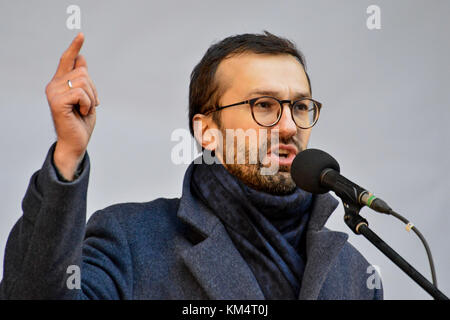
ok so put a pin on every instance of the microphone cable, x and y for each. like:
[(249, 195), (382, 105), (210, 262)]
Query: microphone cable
[(411, 226)]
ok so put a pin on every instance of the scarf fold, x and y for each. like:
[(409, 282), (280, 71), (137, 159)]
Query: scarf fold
[(268, 230)]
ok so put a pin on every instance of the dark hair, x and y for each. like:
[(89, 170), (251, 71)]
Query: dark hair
[(204, 90)]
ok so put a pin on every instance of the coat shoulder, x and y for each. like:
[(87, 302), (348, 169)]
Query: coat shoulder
[(157, 218)]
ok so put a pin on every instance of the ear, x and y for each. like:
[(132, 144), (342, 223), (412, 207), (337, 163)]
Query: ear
[(206, 132)]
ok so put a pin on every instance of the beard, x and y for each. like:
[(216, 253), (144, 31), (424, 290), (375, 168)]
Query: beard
[(277, 183)]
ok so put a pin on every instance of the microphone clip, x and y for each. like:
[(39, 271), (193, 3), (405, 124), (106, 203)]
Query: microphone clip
[(352, 217)]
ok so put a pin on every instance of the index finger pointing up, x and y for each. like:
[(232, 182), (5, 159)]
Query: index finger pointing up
[(67, 61)]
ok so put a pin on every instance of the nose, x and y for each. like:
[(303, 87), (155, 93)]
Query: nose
[(286, 125)]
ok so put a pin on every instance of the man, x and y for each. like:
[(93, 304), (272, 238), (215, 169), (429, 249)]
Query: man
[(237, 232)]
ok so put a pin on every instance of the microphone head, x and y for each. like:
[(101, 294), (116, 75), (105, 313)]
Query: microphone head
[(307, 167)]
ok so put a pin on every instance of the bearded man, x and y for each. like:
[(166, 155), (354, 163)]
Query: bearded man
[(241, 229)]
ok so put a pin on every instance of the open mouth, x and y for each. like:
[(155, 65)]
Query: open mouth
[(283, 154)]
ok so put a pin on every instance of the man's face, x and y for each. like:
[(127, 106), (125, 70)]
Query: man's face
[(247, 76)]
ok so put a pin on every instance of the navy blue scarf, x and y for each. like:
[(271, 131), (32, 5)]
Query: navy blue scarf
[(268, 230)]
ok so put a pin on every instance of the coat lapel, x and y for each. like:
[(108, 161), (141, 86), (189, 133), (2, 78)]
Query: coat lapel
[(322, 247), (220, 269), (214, 262)]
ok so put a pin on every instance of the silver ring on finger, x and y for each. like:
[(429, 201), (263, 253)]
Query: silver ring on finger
[(69, 83)]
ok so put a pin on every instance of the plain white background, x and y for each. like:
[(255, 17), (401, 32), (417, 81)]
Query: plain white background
[(385, 96)]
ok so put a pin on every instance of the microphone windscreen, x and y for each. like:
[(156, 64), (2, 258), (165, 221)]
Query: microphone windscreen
[(307, 168)]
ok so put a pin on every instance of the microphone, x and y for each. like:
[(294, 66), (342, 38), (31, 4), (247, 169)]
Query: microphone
[(315, 171)]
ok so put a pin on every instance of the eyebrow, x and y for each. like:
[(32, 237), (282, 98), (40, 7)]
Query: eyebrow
[(297, 95)]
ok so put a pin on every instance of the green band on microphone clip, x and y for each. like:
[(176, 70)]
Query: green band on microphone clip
[(370, 200)]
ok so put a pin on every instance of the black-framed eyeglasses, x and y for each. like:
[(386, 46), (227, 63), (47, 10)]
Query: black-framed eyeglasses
[(267, 111)]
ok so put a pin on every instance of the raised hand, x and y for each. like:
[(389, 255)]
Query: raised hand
[(72, 98)]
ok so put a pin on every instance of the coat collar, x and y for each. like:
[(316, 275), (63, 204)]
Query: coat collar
[(220, 269)]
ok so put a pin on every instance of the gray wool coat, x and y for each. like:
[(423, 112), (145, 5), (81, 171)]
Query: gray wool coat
[(162, 249)]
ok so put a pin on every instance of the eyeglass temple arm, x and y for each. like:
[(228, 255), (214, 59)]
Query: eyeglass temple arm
[(217, 108)]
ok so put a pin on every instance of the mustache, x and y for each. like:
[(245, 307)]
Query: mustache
[(283, 140)]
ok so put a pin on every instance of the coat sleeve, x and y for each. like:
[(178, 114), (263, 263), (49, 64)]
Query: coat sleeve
[(51, 255)]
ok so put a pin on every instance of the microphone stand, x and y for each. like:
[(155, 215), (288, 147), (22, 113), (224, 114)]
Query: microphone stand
[(359, 225)]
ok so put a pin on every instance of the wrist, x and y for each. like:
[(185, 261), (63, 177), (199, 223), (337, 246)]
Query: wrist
[(67, 163)]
